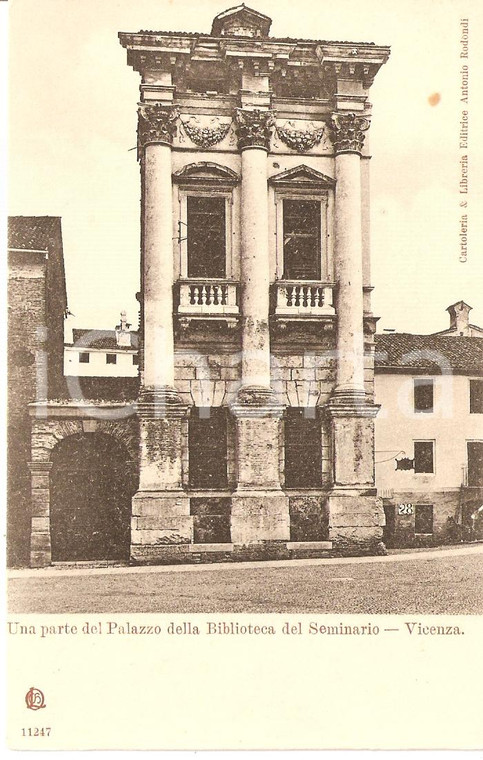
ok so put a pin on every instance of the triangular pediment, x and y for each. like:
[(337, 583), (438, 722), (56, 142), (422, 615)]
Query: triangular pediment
[(241, 22), (206, 172), (302, 176)]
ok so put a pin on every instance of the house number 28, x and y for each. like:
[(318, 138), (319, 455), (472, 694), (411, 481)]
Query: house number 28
[(405, 509)]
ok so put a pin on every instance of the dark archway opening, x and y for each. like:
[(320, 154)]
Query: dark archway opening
[(92, 484)]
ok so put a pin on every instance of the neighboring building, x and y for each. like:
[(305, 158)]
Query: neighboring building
[(254, 432), (429, 432), (37, 305), (103, 353), (459, 324)]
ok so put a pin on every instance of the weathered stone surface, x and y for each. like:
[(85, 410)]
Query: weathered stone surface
[(182, 534), (260, 517), (353, 450), (41, 524), (166, 506), (309, 519)]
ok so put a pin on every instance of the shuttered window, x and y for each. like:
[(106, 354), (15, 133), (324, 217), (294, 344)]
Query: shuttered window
[(424, 456), (423, 395), (206, 237), (301, 239)]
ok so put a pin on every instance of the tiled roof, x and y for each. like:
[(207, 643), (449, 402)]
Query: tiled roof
[(101, 339), (33, 232), (436, 353)]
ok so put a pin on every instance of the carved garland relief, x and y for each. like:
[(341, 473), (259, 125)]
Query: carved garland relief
[(300, 140), (203, 135)]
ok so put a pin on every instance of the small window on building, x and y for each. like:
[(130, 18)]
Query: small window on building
[(424, 456), (301, 239), (207, 448), (475, 463), (206, 237), (135, 359), (84, 357), (303, 450), (111, 358), (423, 395), (476, 396), (423, 518)]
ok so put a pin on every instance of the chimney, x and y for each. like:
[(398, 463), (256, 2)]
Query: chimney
[(123, 333), (459, 318)]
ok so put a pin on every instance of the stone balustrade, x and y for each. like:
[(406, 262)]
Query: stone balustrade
[(297, 298), (208, 297)]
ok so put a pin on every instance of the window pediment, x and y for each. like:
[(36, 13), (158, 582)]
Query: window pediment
[(303, 177), (206, 173)]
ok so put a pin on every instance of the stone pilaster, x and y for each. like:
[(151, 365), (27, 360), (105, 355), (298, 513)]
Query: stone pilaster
[(160, 509), (260, 512), (40, 541), (356, 516)]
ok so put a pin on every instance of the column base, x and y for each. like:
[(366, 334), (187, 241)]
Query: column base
[(356, 521), (259, 516), (160, 520)]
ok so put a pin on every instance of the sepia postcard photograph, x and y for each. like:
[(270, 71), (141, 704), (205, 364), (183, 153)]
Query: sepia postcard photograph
[(244, 279)]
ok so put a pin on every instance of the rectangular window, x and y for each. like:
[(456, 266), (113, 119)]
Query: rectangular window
[(424, 456), (475, 463), (84, 357), (423, 518), (301, 239), (303, 450), (476, 396), (135, 359), (423, 395), (206, 237), (111, 358), (207, 448)]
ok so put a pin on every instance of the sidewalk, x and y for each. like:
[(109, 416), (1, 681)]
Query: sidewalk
[(395, 555)]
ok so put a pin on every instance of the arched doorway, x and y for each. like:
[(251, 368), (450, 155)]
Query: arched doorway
[(92, 483)]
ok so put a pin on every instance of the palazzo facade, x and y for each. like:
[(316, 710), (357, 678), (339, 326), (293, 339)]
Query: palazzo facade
[(256, 405), (253, 432)]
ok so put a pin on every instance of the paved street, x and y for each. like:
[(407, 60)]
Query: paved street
[(437, 581)]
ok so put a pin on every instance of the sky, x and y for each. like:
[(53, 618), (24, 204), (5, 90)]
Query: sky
[(72, 128)]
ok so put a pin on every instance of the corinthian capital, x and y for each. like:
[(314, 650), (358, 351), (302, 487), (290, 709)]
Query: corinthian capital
[(253, 128), (347, 131), (156, 124)]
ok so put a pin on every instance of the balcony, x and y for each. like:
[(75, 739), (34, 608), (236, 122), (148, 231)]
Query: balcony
[(208, 299), (303, 299)]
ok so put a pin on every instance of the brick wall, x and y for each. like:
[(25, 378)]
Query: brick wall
[(26, 318)]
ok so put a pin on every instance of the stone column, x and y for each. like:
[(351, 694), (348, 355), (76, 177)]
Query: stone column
[(40, 541), (253, 129), (161, 521), (260, 514), (155, 134), (356, 516), (348, 136)]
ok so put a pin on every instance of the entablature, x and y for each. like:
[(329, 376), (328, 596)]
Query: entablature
[(322, 62)]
